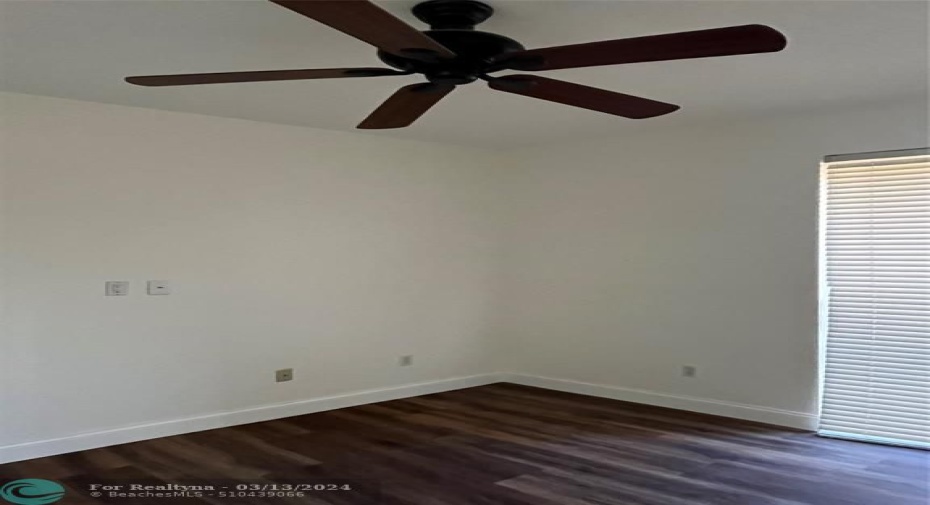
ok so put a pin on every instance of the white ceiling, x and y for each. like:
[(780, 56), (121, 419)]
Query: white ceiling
[(839, 53)]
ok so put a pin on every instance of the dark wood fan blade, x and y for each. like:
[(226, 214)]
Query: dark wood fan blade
[(405, 106), (577, 95), (747, 39), (372, 24), (258, 76)]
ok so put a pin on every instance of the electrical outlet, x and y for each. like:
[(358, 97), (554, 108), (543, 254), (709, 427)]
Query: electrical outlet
[(689, 371), (117, 288), (405, 360), (284, 375)]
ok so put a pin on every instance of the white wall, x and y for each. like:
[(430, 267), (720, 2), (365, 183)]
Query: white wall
[(612, 262), (331, 253), (631, 257)]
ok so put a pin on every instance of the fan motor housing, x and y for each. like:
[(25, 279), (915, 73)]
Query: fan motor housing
[(452, 24)]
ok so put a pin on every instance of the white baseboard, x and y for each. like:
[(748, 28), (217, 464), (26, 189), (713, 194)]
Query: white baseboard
[(793, 419), (84, 441)]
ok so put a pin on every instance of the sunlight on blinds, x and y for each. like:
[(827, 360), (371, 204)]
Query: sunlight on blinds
[(875, 270)]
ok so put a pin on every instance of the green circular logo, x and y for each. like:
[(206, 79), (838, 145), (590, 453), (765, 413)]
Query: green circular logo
[(32, 491)]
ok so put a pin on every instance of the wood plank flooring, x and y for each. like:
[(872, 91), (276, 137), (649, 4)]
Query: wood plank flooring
[(508, 445)]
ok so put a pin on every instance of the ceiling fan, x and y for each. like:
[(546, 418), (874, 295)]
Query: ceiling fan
[(453, 53)]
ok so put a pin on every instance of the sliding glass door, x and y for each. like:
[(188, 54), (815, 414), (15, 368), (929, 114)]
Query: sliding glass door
[(875, 289)]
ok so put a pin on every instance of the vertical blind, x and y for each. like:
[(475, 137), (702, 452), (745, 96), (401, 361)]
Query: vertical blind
[(875, 281)]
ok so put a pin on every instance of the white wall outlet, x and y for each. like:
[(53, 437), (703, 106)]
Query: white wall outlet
[(405, 360), (689, 371), (159, 288), (284, 375), (117, 288)]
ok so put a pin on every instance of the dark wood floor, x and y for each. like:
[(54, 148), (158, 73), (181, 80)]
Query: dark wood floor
[(507, 445)]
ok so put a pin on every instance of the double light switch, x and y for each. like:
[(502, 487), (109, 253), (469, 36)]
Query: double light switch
[(121, 288)]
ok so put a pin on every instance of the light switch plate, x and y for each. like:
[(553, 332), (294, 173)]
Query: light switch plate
[(159, 288), (117, 288), (284, 375)]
